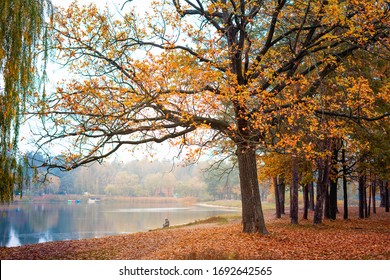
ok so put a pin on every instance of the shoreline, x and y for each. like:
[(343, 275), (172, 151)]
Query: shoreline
[(223, 239), (217, 206), (15, 208)]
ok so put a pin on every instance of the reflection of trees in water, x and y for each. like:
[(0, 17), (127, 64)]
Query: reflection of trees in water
[(29, 224), (33, 223), (13, 222), (43, 217), (5, 228)]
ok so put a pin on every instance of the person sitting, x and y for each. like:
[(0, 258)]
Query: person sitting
[(166, 224)]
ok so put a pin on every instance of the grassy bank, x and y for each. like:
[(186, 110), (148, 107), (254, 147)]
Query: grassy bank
[(237, 203)]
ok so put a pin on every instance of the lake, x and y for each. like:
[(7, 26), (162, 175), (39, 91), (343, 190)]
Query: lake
[(29, 223)]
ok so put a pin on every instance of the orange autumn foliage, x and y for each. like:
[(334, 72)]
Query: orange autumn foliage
[(200, 74)]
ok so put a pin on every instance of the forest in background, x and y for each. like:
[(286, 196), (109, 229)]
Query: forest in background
[(204, 180), (139, 178)]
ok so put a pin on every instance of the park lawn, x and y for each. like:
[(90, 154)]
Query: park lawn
[(221, 238)]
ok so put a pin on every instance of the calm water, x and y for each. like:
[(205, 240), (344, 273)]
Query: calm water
[(36, 223)]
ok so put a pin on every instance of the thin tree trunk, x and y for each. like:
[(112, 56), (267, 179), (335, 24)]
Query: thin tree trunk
[(311, 196), (290, 195), (277, 198), (365, 198), (305, 200), (252, 212), (333, 185), (373, 195), (369, 198), (382, 194), (361, 195), (294, 190), (333, 199), (282, 195), (387, 206), (345, 190), (327, 202)]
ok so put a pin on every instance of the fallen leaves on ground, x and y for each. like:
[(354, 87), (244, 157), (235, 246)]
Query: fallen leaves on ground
[(352, 239)]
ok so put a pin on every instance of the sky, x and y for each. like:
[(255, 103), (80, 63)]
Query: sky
[(55, 74), (141, 5), (162, 151)]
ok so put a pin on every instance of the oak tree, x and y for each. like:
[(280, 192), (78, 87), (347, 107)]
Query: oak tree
[(201, 74)]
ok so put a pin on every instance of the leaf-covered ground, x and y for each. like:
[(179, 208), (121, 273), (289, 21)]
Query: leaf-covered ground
[(352, 239)]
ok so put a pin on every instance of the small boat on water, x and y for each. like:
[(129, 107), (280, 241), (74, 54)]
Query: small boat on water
[(93, 200), (73, 201)]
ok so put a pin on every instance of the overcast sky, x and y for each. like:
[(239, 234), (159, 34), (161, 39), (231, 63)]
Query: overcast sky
[(55, 74), (141, 5)]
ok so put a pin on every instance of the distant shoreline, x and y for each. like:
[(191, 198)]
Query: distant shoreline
[(84, 198)]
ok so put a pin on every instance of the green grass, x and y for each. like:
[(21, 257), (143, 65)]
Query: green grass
[(225, 203), (215, 219), (237, 203)]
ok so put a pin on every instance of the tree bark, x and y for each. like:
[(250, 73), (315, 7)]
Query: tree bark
[(362, 188), (327, 201), (373, 195), (305, 200), (277, 198), (382, 193), (387, 202), (333, 199), (333, 185), (345, 191), (365, 198), (252, 212), (294, 190), (282, 195), (311, 196), (322, 181), (369, 199)]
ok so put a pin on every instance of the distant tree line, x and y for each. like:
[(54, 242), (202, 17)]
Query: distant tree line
[(217, 181), (138, 178)]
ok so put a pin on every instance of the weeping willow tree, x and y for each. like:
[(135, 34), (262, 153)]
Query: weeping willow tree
[(22, 28)]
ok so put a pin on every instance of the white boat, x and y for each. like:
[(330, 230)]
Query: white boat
[(93, 200)]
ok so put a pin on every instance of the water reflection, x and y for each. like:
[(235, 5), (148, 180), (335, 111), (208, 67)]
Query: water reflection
[(37, 223)]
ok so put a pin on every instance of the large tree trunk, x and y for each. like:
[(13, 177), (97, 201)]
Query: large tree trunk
[(294, 190), (322, 181), (320, 198), (252, 212), (277, 198)]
